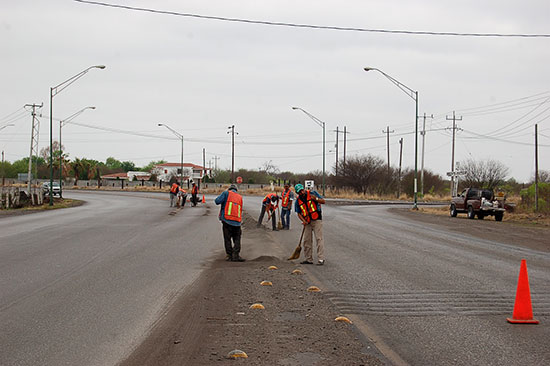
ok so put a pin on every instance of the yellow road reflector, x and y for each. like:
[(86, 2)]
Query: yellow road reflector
[(297, 271), (343, 319), (273, 267), (237, 353), (257, 306), (266, 283), (313, 289)]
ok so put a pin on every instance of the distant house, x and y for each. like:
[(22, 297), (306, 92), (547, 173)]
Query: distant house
[(191, 172), (130, 176), (115, 176)]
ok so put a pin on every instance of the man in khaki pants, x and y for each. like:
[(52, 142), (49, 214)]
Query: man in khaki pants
[(308, 207)]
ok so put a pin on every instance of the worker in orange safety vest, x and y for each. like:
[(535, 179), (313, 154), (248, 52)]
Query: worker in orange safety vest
[(269, 204), (174, 193), (231, 216)]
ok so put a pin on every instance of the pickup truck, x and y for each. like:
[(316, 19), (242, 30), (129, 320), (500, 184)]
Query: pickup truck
[(480, 202)]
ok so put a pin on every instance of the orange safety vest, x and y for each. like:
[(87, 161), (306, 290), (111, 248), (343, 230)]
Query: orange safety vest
[(309, 208), (195, 190), (174, 188), (286, 198), (233, 207)]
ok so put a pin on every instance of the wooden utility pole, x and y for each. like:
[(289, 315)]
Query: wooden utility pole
[(400, 161), (337, 138), (216, 158), (423, 133), (345, 133), (232, 128), (387, 132), (536, 167), (454, 119)]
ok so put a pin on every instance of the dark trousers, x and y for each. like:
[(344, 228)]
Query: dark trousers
[(273, 218), (231, 232), (194, 199), (285, 218)]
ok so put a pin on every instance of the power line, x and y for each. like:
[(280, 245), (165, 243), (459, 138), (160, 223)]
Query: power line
[(311, 26)]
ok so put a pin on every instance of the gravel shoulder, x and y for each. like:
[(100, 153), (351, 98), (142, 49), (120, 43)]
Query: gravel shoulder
[(213, 317)]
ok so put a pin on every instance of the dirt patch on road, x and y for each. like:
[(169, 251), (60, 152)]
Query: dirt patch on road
[(296, 328), (509, 232)]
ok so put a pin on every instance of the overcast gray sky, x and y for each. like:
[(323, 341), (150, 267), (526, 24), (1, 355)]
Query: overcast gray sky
[(200, 76)]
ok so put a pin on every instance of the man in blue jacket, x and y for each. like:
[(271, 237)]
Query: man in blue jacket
[(231, 213)]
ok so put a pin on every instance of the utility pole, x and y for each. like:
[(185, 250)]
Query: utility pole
[(400, 161), (345, 133), (203, 164), (536, 167), (216, 158), (337, 132), (3, 179), (35, 129), (232, 128), (423, 133), (387, 132), (454, 119)]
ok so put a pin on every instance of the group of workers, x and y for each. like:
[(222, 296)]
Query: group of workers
[(307, 207), (178, 195)]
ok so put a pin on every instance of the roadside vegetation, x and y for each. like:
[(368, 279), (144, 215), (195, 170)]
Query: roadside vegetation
[(360, 177)]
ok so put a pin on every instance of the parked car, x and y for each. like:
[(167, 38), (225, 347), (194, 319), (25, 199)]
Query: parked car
[(480, 202), (56, 191)]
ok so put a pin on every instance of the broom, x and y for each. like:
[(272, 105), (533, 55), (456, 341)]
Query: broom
[(298, 249), (280, 223)]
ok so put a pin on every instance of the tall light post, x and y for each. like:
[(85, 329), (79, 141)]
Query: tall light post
[(414, 96), (61, 124), (322, 124), (180, 136), (53, 92)]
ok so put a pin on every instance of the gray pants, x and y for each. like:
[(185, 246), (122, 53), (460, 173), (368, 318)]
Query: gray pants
[(172, 199), (314, 227)]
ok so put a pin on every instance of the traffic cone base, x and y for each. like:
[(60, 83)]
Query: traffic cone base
[(516, 321), (523, 310)]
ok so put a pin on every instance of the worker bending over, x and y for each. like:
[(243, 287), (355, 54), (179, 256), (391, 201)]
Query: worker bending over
[(269, 204)]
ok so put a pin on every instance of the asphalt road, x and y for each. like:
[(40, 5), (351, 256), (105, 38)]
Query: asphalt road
[(427, 294), (82, 286)]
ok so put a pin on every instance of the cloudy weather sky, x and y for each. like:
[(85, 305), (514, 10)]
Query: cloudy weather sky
[(200, 76)]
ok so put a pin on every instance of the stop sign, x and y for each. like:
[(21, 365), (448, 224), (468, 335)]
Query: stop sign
[(239, 180)]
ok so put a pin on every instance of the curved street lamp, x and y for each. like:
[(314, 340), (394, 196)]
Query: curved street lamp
[(180, 136), (53, 92), (414, 96), (322, 125), (61, 124)]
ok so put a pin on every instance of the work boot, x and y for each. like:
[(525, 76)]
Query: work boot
[(237, 258), (228, 257)]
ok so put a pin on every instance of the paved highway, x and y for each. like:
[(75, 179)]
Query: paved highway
[(429, 295), (82, 286)]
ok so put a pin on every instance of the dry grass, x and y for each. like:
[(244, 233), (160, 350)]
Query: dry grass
[(515, 217)]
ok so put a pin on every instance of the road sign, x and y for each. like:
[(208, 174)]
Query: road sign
[(239, 180), (309, 184)]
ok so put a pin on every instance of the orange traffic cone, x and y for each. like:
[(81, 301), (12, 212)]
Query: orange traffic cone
[(203, 200), (523, 311)]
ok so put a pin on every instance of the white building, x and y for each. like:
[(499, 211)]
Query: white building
[(191, 172)]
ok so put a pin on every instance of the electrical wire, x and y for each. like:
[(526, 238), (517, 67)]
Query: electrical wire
[(311, 26)]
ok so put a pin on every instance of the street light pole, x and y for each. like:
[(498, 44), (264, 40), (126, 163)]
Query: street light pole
[(322, 124), (61, 124), (181, 138), (413, 95), (53, 92)]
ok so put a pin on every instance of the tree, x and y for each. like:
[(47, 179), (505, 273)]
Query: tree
[(488, 174), (362, 173), (544, 176), (45, 152), (128, 166), (150, 166), (113, 163)]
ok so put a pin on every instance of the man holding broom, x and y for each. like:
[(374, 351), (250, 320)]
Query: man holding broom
[(308, 207)]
